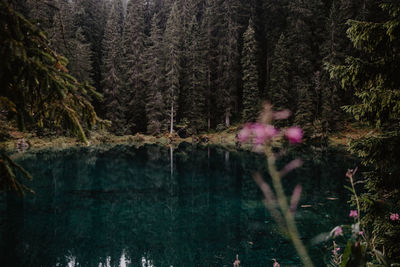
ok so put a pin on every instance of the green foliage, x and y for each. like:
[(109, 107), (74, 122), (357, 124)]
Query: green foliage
[(196, 71), (373, 75), (35, 80), (134, 41), (155, 107), (112, 58), (172, 46), (281, 93), (251, 92)]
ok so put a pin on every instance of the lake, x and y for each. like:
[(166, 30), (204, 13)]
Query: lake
[(128, 206)]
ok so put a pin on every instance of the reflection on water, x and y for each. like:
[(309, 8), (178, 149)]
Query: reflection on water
[(156, 206)]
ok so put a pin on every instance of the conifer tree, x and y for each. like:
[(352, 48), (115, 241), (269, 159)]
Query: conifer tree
[(172, 66), (196, 71), (91, 16), (374, 76), (80, 63), (300, 36), (112, 58), (134, 42), (206, 33), (281, 86), (155, 108), (36, 86), (68, 40), (251, 92), (228, 60)]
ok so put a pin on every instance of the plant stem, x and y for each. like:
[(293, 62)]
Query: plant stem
[(284, 206), (355, 194)]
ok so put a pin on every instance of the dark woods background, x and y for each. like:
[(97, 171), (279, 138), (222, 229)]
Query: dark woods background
[(204, 64)]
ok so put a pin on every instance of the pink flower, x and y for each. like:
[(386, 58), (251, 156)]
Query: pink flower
[(236, 263), (276, 264), (271, 131), (394, 217), (294, 134), (263, 132), (259, 133), (353, 213), (244, 134), (338, 231), (360, 233)]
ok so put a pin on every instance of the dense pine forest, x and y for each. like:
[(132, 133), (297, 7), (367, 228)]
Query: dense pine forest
[(155, 66), (205, 64)]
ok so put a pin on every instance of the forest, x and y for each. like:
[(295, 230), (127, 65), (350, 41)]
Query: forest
[(69, 67), (205, 64)]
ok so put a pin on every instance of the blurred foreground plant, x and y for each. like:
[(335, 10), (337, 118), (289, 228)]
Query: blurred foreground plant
[(263, 134)]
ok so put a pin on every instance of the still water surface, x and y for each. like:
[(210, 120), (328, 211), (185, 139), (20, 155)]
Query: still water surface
[(127, 206)]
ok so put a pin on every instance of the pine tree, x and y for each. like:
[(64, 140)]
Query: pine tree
[(91, 16), (172, 67), (281, 86), (80, 63), (69, 41), (112, 58), (155, 108), (300, 37), (227, 58), (36, 85), (197, 79), (134, 42), (373, 75), (251, 93), (206, 32)]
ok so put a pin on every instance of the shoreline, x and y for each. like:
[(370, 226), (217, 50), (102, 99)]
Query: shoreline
[(225, 138)]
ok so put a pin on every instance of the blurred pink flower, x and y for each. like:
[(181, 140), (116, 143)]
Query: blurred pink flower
[(236, 263), (294, 134), (244, 134), (282, 114), (276, 264), (361, 233), (353, 213), (338, 231), (259, 133), (263, 133), (271, 131), (394, 217)]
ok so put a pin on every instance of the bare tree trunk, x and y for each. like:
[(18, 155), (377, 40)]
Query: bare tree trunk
[(171, 129), (227, 119)]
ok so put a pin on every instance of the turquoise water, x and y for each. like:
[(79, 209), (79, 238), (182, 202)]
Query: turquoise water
[(127, 206)]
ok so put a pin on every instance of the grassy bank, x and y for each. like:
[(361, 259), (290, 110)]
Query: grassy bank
[(225, 138)]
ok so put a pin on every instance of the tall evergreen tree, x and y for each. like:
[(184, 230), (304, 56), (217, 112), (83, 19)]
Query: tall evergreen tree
[(374, 76), (172, 47), (227, 58), (112, 58), (68, 39), (197, 79), (300, 36), (155, 108), (281, 91), (91, 16), (134, 42), (251, 92)]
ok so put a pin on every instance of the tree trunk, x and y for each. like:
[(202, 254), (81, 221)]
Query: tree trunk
[(227, 119), (171, 129)]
